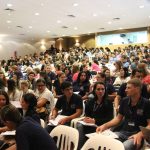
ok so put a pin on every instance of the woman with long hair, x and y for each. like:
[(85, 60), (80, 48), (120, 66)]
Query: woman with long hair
[(57, 85), (4, 100), (98, 110), (82, 85), (29, 103), (13, 93)]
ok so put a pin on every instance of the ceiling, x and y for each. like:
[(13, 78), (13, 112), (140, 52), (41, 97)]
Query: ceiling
[(38, 19)]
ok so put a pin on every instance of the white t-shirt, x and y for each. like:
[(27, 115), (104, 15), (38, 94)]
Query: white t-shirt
[(46, 94)]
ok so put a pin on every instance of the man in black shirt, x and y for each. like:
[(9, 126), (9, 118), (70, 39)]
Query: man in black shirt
[(136, 73), (134, 111), (70, 104)]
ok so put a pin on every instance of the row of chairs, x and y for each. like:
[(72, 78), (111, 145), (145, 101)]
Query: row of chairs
[(68, 138)]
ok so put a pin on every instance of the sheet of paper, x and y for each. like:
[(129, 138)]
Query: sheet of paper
[(16, 104), (56, 120), (87, 124), (9, 133), (106, 133)]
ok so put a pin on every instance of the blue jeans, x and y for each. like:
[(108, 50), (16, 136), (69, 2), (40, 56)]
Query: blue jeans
[(128, 143)]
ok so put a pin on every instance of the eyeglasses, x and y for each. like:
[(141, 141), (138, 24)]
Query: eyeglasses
[(102, 89)]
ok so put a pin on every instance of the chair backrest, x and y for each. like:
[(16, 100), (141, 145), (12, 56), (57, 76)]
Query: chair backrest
[(67, 137), (101, 142), (42, 123)]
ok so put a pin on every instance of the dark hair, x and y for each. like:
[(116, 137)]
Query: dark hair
[(2, 84), (30, 99), (60, 74), (65, 85), (5, 95), (103, 75), (10, 113), (79, 75), (31, 73), (134, 72), (11, 85), (41, 80), (94, 88), (126, 73)]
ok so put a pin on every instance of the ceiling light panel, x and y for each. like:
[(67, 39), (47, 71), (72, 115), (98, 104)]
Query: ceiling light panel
[(9, 5)]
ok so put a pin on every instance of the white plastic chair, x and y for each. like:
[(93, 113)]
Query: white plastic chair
[(67, 137), (74, 121), (42, 123), (103, 143)]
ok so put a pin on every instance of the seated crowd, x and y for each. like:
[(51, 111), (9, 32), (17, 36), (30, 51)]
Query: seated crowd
[(101, 87)]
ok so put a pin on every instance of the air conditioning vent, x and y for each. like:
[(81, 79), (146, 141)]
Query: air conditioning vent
[(116, 19), (9, 9), (101, 28), (71, 16), (64, 27), (19, 26)]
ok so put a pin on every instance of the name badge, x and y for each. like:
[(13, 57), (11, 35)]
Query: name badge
[(131, 124), (140, 112)]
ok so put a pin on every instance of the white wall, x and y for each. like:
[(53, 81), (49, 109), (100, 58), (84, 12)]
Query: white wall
[(7, 48)]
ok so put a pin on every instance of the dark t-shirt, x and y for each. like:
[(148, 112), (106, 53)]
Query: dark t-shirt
[(110, 88), (134, 116), (31, 136), (102, 113), (69, 108), (57, 87), (82, 88)]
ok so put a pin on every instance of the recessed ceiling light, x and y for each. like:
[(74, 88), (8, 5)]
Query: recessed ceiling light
[(8, 21), (94, 15), (120, 28), (37, 14), (109, 22), (75, 28), (141, 6), (48, 31), (75, 4), (30, 27), (63, 35), (58, 21), (9, 5), (149, 16)]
